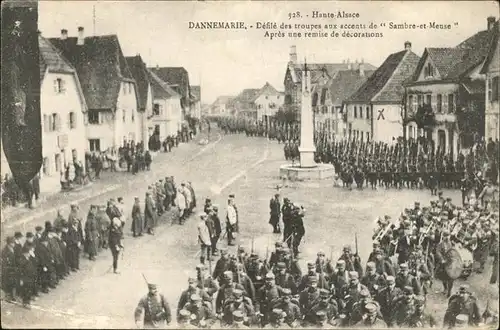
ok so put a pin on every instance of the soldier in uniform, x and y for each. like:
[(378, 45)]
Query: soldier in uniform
[(221, 266), (311, 271), (387, 297), (267, 297), (47, 265), (340, 278), (9, 269), (284, 279), (421, 319), (192, 289), (238, 320), (323, 265), (372, 280), (201, 314), (351, 292), (286, 211), (231, 221), (327, 305), (352, 261), (441, 252), (155, 307), (404, 278), (276, 255), (184, 320), (226, 291), (371, 319), (291, 308), (275, 211), (240, 277), (310, 296), (465, 303), (238, 302), (205, 282)]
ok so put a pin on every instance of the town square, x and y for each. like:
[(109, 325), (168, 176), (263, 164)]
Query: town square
[(307, 188)]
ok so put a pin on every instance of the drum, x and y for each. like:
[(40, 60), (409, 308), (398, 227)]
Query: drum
[(467, 261), (453, 266)]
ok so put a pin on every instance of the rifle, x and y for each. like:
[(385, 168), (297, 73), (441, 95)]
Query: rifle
[(356, 242), (252, 244)]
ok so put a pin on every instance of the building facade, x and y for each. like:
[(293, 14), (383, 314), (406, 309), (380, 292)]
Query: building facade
[(221, 106), (375, 110), (196, 108), (448, 84), (491, 68), (109, 88), (63, 109), (267, 102)]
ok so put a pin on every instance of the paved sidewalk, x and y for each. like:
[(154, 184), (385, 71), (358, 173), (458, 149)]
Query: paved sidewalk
[(109, 181)]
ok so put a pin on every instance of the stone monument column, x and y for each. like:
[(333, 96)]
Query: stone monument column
[(307, 147)]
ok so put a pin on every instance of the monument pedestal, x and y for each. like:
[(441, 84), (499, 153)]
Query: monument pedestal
[(297, 173)]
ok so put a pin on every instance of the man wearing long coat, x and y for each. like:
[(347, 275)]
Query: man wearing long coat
[(275, 210), (149, 214), (92, 233), (137, 218)]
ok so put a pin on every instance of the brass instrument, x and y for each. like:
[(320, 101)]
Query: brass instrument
[(424, 234)]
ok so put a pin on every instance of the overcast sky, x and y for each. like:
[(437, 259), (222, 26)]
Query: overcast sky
[(224, 62)]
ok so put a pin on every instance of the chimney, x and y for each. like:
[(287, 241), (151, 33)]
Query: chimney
[(362, 68), (491, 21), (407, 45), (293, 54), (81, 39), (349, 67), (64, 34)]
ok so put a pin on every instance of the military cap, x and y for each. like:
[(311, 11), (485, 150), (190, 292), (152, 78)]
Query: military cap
[(321, 254), (403, 266), (446, 232), (237, 293), (44, 238), (353, 275), (184, 314), (376, 243), (278, 244), (347, 248), (18, 234), (10, 240), (321, 315), (340, 262), (38, 228), (195, 297), (200, 267), (448, 199), (231, 196), (191, 280), (440, 193), (152, 286), (215, 207), (241, 249), (312, 279), (202, 215), (390, 279), (269, 276), (25, 249), (238, 316), (281, 265), (29, 235), (370, 308), (408, 290), (58, 230), (73, 205), (406, 223), (364, 293), (417, 203), (286, 292), (254, 255), (370, 265), (277, 311), (223, 251), (462, 319), (228, 274), (419, 300), (311, 265), (464, 287), (324, 293)]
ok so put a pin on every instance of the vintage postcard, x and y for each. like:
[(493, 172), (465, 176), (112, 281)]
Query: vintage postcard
[(250, 164)]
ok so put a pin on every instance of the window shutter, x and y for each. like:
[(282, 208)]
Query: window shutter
[(58, 122), (63, 85), (495, 91), (69, 120)]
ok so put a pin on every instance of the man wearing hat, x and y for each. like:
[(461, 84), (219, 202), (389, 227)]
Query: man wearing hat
[(74, 215), (201, 313), (58, 237), (404, 278), (351, 293), (419, 318), (387, 297), (222, 265), (73, 243), (27, 277), (231, 221), (352, 261), (214, 217), (462, 303), (441, 252), (238, 302), (238, 320), (267, 297), (286, 211), (149, 214), (47, 271), (276, 255), (323, 265), (372, 280), (383, 265), (322, 282), (115, 241), (192, 289), (92, 233), (310, 296), (340, 277), (184, 320), (284, 279), (137, 218), (290, 307), (204, 237), (155, 307), (57, 255), (205, 282), (9, 269), (325, 304), (226, 290), (370, 318), (275, 211), (277, 320), (242, 278), (403, 308)]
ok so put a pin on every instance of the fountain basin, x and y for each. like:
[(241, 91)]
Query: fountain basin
[(297, 173)]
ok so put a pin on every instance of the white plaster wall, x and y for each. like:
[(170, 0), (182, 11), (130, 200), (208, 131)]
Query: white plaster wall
[(388, 126)]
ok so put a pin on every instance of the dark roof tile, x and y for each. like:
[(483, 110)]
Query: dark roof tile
[(139, 72), (52, 59), (345, 83)]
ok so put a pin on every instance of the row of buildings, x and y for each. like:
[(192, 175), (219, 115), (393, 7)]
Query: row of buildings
[(94, 98), (448, 95), (254, 103)]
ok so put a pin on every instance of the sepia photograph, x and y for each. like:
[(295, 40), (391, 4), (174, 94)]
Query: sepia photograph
[(249, 164)]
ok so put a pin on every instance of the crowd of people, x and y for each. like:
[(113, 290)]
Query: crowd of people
[(391, 290), (36, 262)]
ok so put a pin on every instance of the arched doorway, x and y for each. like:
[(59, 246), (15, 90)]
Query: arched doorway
[(442, 140)]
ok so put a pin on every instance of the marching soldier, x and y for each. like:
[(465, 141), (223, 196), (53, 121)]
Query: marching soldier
[(323, 265), (286, 211), (352, 261), (322, 282), (404, 279), (277, 255), (267, 297), (325, 304), (201, 315), (372, 280), (231, 221), (464, 303), (226, 291), (284, 279), (191, 290), (310, 296), (242, 278), (221, 266), (387, 297), (238, 302), (351, 293), (292, 309), (371, 319), (421, 319), (205, 282), (155, 307), (441, 252), (340, 278)]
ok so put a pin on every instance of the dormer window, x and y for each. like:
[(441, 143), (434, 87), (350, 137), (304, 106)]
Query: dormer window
[(429, 70)]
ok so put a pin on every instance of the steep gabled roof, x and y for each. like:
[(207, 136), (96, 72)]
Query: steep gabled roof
[(139, 72), (160, 88), (176, 77), (444, 59), (50, 57), (318, 69), (345, 83), (100, 65), (493, 47), (267, 88), (247, 95), (223, 100), (385, 84)]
